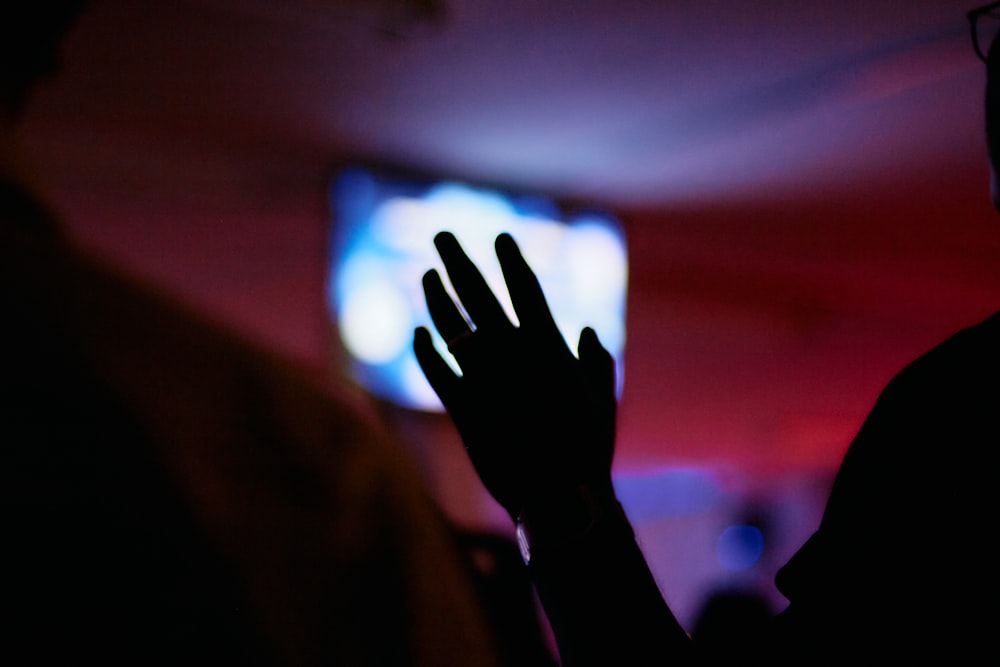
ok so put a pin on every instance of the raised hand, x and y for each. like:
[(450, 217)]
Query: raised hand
[(538, 422)]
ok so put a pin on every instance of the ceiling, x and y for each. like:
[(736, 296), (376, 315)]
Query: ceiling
[(626, 102), (783, 168)]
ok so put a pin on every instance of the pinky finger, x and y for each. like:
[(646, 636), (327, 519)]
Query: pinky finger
[(442, 379)]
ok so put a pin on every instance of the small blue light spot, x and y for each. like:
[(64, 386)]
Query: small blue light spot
[(739, 546)]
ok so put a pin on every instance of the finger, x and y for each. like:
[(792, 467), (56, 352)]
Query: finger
[(472, 289), (442, 379), (525, 290), (598, 369), (448, 319), (597, 363)]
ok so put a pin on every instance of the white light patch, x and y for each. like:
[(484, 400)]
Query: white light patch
[(387, 244), (403, 225), (596, 261), (375, 322), (416, 386)]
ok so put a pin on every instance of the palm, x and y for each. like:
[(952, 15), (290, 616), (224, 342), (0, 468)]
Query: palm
[(532, 416)]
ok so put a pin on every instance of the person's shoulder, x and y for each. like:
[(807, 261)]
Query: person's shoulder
[(178, 356), (947, 395), (968, 360), (979, 340)]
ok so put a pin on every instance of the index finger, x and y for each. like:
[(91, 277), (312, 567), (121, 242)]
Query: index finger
[(474, 292)]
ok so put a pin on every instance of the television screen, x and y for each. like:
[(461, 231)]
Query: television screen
[(382, 243)]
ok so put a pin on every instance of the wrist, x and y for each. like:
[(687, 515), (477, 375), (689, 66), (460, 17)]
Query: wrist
[(564, 517)]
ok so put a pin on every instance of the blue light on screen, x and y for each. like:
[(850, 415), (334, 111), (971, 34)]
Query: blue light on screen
[(383, 244)]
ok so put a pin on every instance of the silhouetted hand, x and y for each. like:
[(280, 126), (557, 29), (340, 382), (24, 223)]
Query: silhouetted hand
[(538, 423)]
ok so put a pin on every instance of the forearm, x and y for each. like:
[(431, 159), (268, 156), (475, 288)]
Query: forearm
[(601, 599)]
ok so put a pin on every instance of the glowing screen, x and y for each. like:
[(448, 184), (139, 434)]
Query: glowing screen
[(383, 244)]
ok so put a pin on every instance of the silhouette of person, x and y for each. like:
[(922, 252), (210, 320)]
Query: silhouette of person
[(898, 568), (174, 494)]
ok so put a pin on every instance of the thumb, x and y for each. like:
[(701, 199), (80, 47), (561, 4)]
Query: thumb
[(598, 369), (597, 363)]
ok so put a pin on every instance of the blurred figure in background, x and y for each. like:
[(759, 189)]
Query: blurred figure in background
[(173, 494)]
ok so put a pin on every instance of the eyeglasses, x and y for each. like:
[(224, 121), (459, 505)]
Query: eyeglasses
[(984, 23)]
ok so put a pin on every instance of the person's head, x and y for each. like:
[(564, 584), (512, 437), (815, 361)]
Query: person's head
[(31, 33), (985, 24), (993, 119)]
